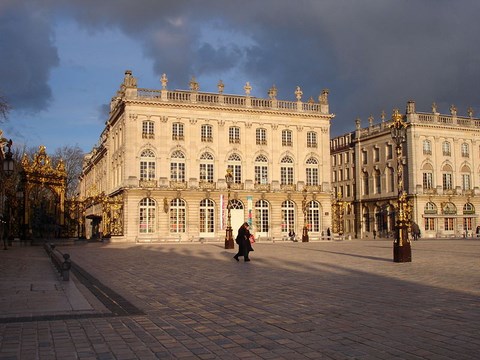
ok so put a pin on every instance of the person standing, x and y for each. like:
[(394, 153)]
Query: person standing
[(243, 241)]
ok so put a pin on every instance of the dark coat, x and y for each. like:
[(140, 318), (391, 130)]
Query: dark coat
[(243, 240)]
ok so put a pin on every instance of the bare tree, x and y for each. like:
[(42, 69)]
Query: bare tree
[(72, 156), (4, 108)]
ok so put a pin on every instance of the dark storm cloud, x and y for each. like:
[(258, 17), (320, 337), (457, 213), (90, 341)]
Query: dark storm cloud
[(27, 56), (372, 54)]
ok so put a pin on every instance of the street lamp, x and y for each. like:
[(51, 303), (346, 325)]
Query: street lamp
[(228, 235), (304, 208), (402, 251), (7, 167)]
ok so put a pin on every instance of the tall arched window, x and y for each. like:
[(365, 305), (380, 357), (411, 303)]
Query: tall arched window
[(427, 174), (235, 164), (261, 170), (447, 177), (262, 215), (207, 216), (206, 167), (465, 150), (177, 166), (288, 216), (286, 171), (178, 211), (147, 165), (311, 169), (147, 216), (313, 216), (465, 173)]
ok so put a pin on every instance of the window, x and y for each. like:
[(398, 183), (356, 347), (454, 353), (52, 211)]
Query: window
[(261, 216), (446, 149), (312, 171), (313, 216), (261, 170), (288, 216), (206, 167), (365, 184), (287, 138), (234, 135), (177, 167), (376, 154), (312, 139), (389, 151), (177, 216), (428, 180), (448, 224), (364, 157), (207, 133), (207, 216), (286, 171), (378, 182), (447, 177), (466, 182), (147, 216), (235, 164), (391, 175), (427, 147), (465, 150), (177, 131), (261, 136), (468, 209), (147, 165), (148, 129), (429, 224), (467, 224)]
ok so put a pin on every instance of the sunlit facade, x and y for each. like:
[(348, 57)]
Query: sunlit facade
[(158, 172), (441, 169)]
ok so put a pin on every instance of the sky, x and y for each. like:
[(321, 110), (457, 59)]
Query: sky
[(61, 61)]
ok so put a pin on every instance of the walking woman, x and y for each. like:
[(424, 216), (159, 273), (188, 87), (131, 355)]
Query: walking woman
[(243, 241)]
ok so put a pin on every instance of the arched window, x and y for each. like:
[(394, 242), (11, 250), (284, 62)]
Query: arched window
[(288, 216), (446, 149), (261, 170), (287, 138), (178, 211), (430, 208), (148, 129), (468, 209), (177, 166), (261, 136), (466, 182), (206, 167), (447, 177), (427, 174), (313, 216), (207, 216), (235, 164), (262, 215), (311, 168), (147, 216), (427, 147), (147, 165), (286, 171)]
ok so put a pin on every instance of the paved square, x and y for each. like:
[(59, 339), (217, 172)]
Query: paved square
[(324, 300)]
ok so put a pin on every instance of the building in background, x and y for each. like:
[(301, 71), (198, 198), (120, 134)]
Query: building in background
[(441, 170), (158, 172)]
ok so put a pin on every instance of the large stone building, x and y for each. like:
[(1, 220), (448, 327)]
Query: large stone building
[(158, 172), (441, 162)]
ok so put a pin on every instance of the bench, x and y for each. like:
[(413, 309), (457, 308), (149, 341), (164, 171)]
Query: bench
[(62, 263)]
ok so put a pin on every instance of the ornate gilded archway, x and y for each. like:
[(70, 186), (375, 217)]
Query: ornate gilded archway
[(43, 188)]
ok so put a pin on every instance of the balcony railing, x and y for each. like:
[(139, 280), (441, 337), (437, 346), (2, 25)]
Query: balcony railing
[(148, 183)]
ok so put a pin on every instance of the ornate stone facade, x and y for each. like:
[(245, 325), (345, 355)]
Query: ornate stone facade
[(441, 169), (165, 154)]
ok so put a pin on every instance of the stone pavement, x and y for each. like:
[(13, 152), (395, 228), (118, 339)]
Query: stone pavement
[(323, 300)]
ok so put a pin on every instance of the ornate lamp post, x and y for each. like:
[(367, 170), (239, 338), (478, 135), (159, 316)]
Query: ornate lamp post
[(304, 208), (7, 169), (402, 251), (228, 235)]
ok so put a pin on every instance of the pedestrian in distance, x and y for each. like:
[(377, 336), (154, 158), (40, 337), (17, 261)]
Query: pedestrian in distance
[(243, 241)]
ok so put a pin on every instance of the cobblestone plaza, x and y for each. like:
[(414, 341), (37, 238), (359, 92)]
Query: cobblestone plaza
[(322, 300)]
